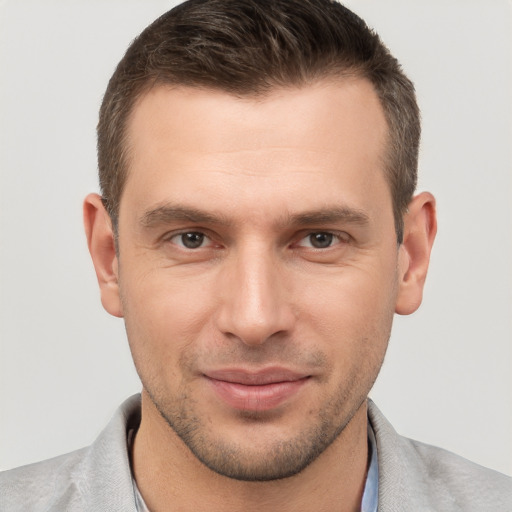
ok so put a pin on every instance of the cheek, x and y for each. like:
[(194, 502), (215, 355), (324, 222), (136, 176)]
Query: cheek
[(163, 297), (353, 309), (354, 327), (164, 316)]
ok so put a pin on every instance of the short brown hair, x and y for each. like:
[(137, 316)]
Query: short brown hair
[(248, 47)]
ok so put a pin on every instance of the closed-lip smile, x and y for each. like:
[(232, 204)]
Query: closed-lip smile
[(260, 390)]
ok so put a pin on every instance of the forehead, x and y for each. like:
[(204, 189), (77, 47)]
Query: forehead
[(260, 152), (325, 103)]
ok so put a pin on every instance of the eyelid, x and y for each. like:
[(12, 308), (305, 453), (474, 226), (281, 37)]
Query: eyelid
[(169, 236), (342, 236)]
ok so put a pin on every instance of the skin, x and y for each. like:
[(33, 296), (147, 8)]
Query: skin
[(290, 272)]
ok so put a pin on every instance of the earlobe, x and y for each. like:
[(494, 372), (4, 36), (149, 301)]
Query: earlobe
[(100, 239), (420, 227)]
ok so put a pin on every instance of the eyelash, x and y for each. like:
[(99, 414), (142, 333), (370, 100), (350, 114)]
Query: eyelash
[(332, 236), (340, 237), (190, 232)]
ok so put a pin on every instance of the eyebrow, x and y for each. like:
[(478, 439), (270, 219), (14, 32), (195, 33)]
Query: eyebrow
[(169, 213), (166, 214), (330, 215)]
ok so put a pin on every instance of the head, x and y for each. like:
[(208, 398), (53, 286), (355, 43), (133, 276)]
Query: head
[(248, 48), (256, 169)]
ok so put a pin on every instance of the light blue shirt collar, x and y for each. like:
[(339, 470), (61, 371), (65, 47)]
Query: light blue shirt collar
[(371, 488)]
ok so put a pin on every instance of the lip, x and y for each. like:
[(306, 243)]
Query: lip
[(256, 391)]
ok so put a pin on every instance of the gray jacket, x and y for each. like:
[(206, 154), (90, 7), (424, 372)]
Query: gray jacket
[(413, 477)]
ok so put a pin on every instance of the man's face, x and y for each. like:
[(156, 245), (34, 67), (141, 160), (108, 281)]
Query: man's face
[(258, 267)]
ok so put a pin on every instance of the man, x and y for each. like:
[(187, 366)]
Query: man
[(257, 231)]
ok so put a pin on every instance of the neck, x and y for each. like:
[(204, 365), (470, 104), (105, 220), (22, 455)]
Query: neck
[(167, 472)]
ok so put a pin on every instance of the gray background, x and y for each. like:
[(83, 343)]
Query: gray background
[(64, 363)]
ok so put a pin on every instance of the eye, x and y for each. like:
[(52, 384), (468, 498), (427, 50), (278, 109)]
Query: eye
[(320, 240), (190, 240)]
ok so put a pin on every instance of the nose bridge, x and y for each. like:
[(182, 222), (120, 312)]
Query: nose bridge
[(255, 301)]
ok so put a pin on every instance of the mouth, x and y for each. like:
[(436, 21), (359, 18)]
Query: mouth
[(256, 391)]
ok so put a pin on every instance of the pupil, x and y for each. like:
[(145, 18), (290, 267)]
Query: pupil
[(321, 240), (192, 240)]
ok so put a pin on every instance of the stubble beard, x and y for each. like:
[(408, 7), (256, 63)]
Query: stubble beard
[(280, 459), (276, 458)]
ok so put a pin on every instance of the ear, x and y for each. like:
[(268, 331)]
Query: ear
[(420, 227), (100, 239)]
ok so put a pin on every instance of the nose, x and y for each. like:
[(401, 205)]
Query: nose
[(254, 292)]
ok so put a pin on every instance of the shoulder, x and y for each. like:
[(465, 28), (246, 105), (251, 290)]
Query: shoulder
[(91, 479), (458, 481), (450, 468), (422, 477), (46, 485)]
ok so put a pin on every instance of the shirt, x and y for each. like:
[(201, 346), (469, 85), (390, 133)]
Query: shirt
[(412, 476)]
